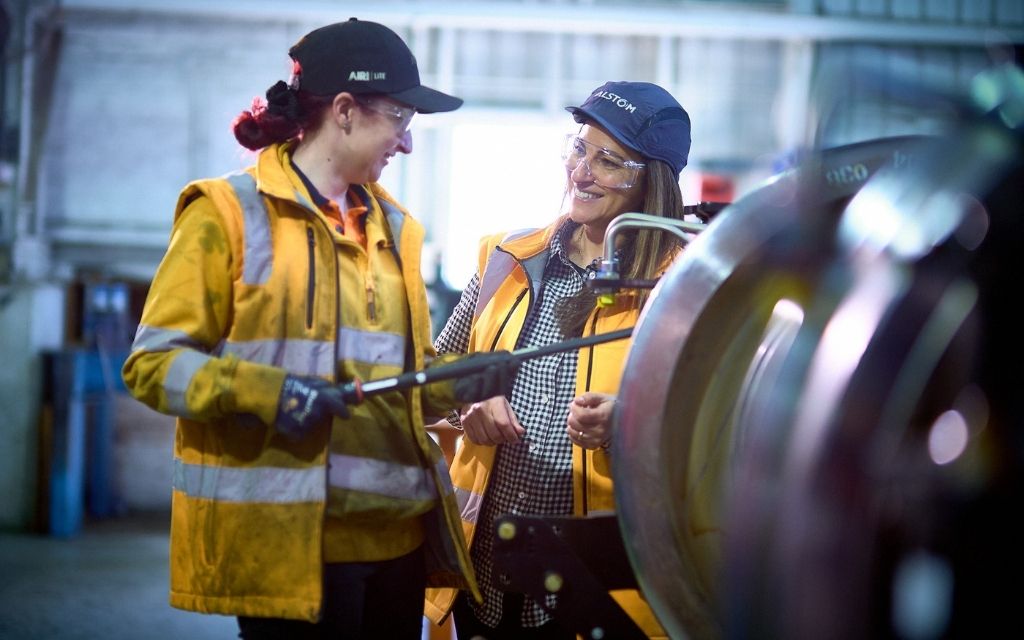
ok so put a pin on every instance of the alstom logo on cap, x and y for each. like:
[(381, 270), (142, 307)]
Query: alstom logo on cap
[(617, 100), (366, 76)]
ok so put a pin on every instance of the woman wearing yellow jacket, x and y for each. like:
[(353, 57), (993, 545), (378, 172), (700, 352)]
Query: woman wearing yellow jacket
[(542, 450), (295, 512)]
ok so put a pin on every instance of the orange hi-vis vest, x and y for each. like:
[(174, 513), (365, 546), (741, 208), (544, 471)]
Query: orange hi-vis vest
[(510, 269)]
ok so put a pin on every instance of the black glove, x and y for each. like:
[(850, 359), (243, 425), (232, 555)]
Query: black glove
[(306, 402), (496, 378)]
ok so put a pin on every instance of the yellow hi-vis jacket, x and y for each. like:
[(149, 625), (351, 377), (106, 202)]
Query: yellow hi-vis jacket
[(511, 268), (247, 292)]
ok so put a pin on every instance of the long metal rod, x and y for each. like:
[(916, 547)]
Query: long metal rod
[(356, 391)]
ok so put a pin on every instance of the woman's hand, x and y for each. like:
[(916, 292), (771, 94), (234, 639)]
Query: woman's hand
[(590, 420), (491, 422)]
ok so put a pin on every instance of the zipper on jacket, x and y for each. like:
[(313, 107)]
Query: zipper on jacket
[(508, 317), (311, 291), (371, 304), (371, 290)]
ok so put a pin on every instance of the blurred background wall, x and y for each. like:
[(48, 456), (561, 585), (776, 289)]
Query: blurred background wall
[(108, 107)]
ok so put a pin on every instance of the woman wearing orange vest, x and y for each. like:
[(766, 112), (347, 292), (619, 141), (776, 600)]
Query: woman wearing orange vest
[(543, 450), (301, 515)]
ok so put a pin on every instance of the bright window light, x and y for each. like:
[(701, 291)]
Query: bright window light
[(504, 176)]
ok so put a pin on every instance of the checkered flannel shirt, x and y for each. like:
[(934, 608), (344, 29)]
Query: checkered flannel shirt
[(533, 476)]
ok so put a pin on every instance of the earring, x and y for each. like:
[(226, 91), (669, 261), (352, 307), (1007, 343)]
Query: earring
[(347, 127)]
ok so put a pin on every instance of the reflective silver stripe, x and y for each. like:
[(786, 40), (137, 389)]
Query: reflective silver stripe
[(396, 220), (499, 265), (379, 477), (250, 484), (371, 347), (469, 504), (154, 339), (258, 259), (303, 357), (179, 376)]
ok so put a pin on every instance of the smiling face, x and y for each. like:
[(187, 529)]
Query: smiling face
[(590, 203), (378, 132)]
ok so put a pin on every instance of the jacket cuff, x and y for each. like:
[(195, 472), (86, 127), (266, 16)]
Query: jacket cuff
[(257, 388)]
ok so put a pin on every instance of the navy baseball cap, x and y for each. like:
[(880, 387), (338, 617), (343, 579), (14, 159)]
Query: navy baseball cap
[(643, 117), (364, 57)]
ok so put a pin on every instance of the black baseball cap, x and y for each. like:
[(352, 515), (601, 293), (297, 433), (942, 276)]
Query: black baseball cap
[(364, 57), (642, 116)]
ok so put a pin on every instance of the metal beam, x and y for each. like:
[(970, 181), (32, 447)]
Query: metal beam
[(682, 20)]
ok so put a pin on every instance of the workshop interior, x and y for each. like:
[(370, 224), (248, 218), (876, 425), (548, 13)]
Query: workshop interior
[(818, 432)]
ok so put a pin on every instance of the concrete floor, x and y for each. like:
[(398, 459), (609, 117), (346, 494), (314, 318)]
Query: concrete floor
[(108, 582)]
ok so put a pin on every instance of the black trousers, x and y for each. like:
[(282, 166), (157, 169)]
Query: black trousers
[(469, 627), (361, 600)]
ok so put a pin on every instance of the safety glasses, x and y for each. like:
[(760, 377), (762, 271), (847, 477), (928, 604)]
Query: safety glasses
[(607, 168)]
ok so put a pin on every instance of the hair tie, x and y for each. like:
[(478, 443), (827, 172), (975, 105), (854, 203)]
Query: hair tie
[(281, 101)]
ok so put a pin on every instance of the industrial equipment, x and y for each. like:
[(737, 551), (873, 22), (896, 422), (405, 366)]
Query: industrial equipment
[(818, 433)]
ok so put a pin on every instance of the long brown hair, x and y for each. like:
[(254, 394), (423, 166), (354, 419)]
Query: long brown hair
[(643, 254)]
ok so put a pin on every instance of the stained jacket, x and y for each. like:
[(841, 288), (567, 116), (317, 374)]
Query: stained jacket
[(511, 268), (247, 292)]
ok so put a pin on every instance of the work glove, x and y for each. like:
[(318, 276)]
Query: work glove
[(496, 377), (305, 402)]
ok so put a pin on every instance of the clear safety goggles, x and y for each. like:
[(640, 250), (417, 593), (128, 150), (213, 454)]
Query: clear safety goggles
[(400, 116), (607, 168)]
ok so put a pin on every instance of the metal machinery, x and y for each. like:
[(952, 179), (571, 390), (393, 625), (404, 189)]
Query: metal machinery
[(818, 433)]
